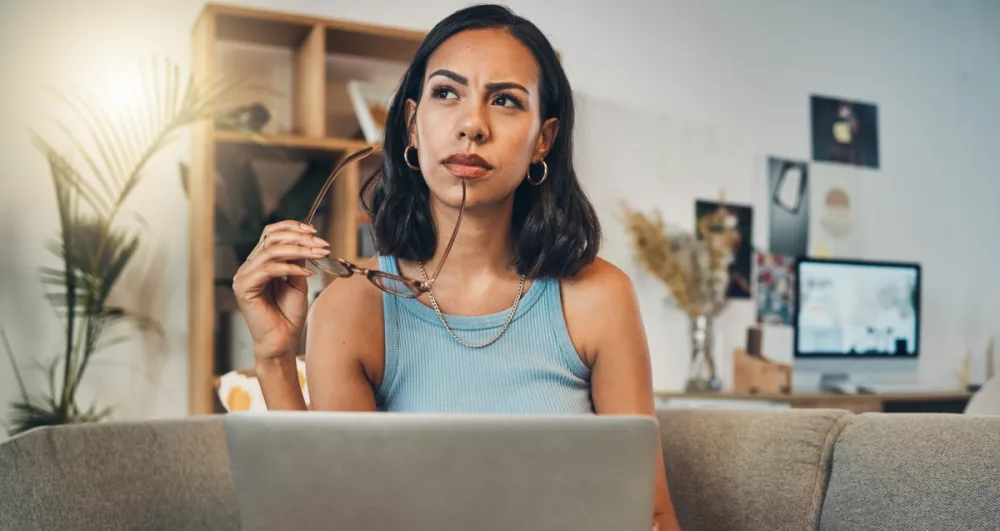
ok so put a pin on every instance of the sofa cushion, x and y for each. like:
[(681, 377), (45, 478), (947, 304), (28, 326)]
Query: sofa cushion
[(747, 469), (160, 474), (915, 472)]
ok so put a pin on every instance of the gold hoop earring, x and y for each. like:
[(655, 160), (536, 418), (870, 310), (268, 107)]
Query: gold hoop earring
[(545, 174), (406, 158)]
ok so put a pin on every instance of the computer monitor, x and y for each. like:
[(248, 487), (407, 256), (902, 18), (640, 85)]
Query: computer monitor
[(856, 318)]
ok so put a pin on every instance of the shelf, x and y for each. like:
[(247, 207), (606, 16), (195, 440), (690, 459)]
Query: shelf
[(238, 24), (304, 63), (368, 41), (293, 142), (256, 26)]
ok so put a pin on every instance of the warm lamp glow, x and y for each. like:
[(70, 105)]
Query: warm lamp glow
[(122, 92)]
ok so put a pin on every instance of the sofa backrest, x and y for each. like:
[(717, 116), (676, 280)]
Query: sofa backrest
[(915, 472), (161, 474), (748, 470), (738, 470), (733, 470)]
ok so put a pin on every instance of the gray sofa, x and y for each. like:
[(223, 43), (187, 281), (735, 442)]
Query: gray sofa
[(761, 470)]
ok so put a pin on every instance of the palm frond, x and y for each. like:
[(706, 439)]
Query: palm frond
[(118, 259), (13, 364), (142, 323), (68, 180), (105, 344), (97, 258), (115, 140), (125, 136), (68, 208), (88, 158), (26, 415), (91, 414), (50, 374)]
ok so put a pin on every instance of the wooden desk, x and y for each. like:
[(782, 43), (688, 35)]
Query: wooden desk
[(931, 402)]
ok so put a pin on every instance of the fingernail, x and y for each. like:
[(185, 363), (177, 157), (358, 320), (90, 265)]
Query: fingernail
[(320, 241), (307, 228), (321, 252)]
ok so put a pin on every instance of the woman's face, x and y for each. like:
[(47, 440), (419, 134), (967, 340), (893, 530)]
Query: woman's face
[(479, 118)]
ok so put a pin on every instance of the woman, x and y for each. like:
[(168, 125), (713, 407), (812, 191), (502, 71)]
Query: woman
[(523, 318)]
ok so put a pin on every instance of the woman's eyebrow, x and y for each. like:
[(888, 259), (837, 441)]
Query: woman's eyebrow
[(506, 85), (451, 75), (492, 87)]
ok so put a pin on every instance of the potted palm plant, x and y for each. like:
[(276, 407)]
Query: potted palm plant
[(114, 142)]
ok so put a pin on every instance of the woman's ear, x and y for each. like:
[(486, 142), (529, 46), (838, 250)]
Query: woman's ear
[(411, 121), (546, 137)]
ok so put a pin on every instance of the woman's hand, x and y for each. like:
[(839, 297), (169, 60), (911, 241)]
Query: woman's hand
[(270, 288)]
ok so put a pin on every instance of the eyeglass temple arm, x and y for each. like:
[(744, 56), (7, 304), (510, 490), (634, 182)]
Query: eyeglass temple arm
[(454, 234), (357, 155)]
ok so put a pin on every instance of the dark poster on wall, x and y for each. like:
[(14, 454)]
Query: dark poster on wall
[(740, 218), (844, 131)]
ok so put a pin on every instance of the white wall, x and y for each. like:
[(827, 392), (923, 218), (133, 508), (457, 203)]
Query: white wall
[(741, 69)]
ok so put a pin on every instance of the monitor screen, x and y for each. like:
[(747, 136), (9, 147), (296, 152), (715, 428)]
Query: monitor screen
[(857, 309)]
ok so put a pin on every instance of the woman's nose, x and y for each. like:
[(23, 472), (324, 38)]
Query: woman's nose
[(474, 125)]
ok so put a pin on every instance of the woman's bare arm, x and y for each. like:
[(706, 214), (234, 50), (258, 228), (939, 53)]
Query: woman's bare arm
[(344, 353), (345, 346), (279, 383), (606, 326)]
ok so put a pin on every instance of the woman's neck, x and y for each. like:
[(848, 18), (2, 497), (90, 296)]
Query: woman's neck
[(482, 248)]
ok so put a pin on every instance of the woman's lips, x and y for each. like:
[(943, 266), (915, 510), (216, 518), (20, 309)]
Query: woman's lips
[(466, 171), (467, 165)]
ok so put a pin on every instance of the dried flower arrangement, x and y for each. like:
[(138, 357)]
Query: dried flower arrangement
[(695, 270)]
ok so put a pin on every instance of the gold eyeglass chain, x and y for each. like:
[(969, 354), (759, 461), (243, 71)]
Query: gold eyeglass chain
[(510, 316)]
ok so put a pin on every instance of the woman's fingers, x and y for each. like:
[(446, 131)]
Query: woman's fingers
[(296, 238), (248, 283), (290, 225), (281, 230), (288, 253)]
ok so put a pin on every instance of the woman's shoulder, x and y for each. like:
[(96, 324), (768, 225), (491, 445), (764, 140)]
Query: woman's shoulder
[(350, 309), (595, 302), (598, 281), (346, 321), (353, 295)]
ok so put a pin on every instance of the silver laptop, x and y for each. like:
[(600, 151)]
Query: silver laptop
[(437, 472)]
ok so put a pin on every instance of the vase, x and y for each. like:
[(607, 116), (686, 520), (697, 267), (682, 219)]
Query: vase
[(702, 376)]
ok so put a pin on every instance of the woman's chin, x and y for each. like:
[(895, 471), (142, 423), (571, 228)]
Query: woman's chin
[(479, 193)]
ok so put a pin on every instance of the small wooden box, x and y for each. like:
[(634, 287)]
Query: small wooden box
[(753, 373)]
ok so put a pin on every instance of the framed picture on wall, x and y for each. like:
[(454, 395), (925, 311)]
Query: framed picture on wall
[(740, 219), (844, 131)]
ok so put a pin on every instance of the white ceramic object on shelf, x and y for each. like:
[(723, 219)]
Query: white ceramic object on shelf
[(365, 97)]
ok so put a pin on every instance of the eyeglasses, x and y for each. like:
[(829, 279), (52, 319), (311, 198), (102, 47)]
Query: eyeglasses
[(398, 285)]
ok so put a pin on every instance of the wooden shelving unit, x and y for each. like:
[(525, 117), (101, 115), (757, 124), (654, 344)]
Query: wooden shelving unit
[(314, 48)]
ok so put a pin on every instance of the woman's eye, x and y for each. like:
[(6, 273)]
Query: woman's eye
[(444, 93), (506, 100)]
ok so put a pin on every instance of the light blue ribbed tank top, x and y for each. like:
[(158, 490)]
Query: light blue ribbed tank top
[(532, 368)]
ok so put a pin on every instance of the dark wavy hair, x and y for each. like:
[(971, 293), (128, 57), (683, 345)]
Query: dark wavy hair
[(556, 229)]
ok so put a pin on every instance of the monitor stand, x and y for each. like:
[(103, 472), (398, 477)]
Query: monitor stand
[(840, 382)]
